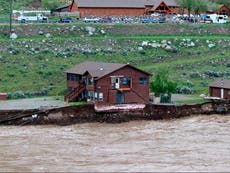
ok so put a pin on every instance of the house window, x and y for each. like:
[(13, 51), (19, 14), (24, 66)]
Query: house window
[(126, 81), (69, 89), (90, 81), (95, 96), (72, 77), (101, 96), (76, 78), (113, 81), (143, 80), (68, 76)]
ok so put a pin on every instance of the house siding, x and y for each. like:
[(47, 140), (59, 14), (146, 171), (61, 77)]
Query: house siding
[(96, 11), (129, 96), (216, 92)]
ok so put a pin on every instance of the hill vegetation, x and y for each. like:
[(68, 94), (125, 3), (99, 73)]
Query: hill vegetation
[(35, 62)]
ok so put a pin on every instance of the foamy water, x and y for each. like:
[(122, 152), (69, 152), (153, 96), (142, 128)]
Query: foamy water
[(199, 143)]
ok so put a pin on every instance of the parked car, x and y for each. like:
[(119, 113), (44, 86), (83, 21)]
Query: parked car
[(65, 20), (105, 20), (161, 20), (91, 20), (149, 20)]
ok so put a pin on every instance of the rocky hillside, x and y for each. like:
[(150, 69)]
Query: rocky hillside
[(34, 62)]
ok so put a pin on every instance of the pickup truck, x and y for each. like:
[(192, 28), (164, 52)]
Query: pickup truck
[(37, 18)]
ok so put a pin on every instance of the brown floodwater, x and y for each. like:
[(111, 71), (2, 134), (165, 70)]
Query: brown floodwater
[(200, 143)]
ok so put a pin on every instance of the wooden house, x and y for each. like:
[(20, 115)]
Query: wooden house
[(107, 83), (120, 7), (223, 10), (220, 89)]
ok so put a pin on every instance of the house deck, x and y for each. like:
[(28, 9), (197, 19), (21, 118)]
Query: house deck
[(119, 107)]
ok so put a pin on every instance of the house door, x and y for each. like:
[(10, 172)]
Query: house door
[(117, 83), (120, 98)]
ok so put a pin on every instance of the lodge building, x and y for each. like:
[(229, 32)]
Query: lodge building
[(120, 7), (107, 84)]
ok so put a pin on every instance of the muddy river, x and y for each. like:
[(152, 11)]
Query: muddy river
[(200, 143)]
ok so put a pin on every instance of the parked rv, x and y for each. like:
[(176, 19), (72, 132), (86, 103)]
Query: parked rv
[(215, 18), (30, 16), (37, 18)]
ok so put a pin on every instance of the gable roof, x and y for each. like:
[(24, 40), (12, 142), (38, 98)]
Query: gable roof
[(157, 4), (119, 3), (98, 69), (221, 83)]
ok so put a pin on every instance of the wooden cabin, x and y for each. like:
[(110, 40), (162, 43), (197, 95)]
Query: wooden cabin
[(107, 84), (120, 7), (220, 89), (223, 10)]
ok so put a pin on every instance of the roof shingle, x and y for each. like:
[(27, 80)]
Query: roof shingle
[(98, 69), (221, 83)]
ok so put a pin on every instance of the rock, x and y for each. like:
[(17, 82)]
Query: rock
[(13, 36), (164, 45), (144, 43), (192, 44), (90, 33), (48, 35), (102, 31), (202, 95), (40, 32), (140, 48), (90, 29), (168, 47), (155, 45), (211, 45), (164, 42)]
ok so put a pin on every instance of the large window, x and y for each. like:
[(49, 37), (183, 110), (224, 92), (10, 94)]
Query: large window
[(113, 81), (143, 80), (90, 81), (101, 96), (126, 82)]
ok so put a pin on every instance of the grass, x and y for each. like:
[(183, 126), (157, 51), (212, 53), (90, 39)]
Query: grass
[(44, 70), (192, 101)]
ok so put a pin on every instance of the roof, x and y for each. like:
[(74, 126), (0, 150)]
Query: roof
[(120, 3), (221, 83), (98, 69), (157, 4)]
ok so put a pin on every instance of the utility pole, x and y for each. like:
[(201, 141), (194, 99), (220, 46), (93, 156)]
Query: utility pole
[(11, 4)]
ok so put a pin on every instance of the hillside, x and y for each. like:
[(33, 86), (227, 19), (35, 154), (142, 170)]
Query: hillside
[(35, 62)]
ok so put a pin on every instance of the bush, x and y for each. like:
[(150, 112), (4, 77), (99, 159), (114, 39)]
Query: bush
[(184, 90)]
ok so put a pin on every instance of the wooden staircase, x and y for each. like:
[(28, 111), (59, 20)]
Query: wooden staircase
[(71, 96)]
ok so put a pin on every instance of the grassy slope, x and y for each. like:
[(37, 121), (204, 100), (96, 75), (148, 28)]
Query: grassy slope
[(26, 71)]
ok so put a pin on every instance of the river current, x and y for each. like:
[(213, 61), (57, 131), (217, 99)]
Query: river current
[(200, 143)]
